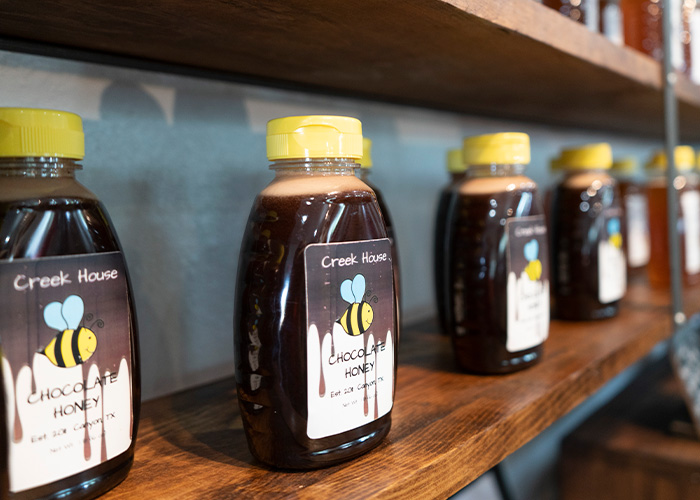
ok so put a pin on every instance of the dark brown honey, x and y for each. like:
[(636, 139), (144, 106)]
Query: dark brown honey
[(61, 224), (270, 318), (478, 271), (583, 203)]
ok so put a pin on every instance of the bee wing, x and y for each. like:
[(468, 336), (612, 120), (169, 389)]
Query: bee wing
[(72, 311), (358, 287), (53, 316), (614, 226), (531, 250), (346, 291)]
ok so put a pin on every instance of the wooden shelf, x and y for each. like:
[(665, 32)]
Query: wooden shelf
[(513, 59), (448, 427), (643, 439)]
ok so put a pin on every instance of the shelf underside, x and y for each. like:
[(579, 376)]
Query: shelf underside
[(513, 59)]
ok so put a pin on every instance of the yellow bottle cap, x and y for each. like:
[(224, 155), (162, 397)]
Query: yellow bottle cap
[(625, 165), (684, 156), (555, 165), (314, 136), (506, 148), (366, 161), (455, 162), (26, 132), (590, 156)]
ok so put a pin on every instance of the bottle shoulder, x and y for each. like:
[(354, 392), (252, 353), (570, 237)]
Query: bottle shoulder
[(492, 185), (31, 188), (587, 178), (313, 185)]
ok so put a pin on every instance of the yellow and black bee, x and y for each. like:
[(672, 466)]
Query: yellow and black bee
[(359, 315), (72, 345), (534, 266), (614, 234)]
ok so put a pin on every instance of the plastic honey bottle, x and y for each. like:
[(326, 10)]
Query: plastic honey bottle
[(497, 260), (366, 165), (635, 205), (314, 315), (588, 262), (688, 218), (69, 336), (457, 170)]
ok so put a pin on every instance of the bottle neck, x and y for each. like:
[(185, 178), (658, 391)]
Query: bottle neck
[(39, 167), (570, 172), (314, 166), (495, 170), (457, 176)]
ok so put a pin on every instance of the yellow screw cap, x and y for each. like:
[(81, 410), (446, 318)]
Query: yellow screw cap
[(366, 161), (455, 161), (684, 156), (625, 165), (314, 136), (26, 132), (555, 165), (506, 148), (590, 156)]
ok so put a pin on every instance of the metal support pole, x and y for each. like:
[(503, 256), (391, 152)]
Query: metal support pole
[(671, 131)]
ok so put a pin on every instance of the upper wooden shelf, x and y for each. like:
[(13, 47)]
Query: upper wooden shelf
[(448, 427), (513, 59)]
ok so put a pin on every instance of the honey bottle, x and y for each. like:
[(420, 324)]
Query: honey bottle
[(314, 316), (635, 205), (688, 218), (588, 261), (69, 337), (642, 24), (582, 11), (366, 165), (457, 170), (611, 21), (497, 260)]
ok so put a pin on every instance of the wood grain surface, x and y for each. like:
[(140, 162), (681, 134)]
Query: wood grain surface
[(513, 59), (629, 449), (448, 427)]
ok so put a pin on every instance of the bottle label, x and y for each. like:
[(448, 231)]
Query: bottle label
[(695, 46), (690, 210), (637, 211), (66, 361), (351, 334), (612, 267), (528, 282), (676, 18), (592, 17), (612, 23)]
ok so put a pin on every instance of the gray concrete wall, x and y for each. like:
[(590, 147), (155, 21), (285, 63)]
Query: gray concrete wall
[(178, 161)]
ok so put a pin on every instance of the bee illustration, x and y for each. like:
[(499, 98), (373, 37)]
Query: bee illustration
[(359, 315), (615, 236), (73, 344), (534, 266)]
